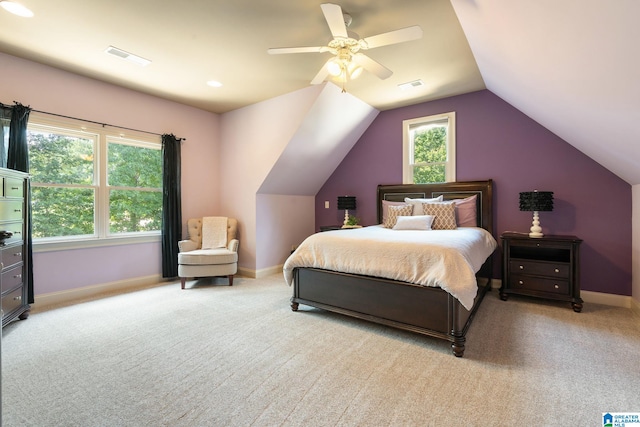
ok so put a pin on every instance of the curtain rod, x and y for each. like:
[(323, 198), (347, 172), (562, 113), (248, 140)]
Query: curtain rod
[(91, 121)]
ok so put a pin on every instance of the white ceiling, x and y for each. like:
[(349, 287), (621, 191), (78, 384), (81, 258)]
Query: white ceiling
[(571, 65), (194, 41)]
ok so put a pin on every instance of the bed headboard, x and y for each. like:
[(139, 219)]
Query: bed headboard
[(449, 191)]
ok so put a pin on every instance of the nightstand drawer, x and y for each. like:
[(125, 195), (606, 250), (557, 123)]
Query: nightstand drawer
[(539, 284), (551, 269)]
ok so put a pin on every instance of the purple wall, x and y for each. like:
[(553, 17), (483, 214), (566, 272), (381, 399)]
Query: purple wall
[(495, 140)]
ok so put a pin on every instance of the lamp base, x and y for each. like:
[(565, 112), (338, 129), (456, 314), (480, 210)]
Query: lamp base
[(346, 218), (536, 230)]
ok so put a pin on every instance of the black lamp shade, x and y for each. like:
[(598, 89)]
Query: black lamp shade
[(536, 201), (346, 202)]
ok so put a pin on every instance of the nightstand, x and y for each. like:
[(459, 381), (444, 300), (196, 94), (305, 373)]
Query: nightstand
[(544, 267), (338, 227), (330, 227)]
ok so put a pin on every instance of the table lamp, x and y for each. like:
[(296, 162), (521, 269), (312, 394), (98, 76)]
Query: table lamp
[(346, 203), (536, 201)]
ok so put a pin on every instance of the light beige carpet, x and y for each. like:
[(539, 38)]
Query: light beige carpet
[(214, 355)]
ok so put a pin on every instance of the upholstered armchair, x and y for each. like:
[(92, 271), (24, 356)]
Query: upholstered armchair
[(219, 257)]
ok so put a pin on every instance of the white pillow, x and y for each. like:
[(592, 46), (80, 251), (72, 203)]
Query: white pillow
[(417, 203), (418, 222)]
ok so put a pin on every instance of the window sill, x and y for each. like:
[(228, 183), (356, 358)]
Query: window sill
[(63, 245)]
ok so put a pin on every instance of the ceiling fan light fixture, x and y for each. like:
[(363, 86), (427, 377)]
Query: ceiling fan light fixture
[(334, 67), (16, 9)]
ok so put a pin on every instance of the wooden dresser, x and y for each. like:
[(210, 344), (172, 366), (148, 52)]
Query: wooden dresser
[(13, 246), (545, 267)]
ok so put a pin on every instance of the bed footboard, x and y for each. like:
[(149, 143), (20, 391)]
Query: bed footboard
[(424, 310)]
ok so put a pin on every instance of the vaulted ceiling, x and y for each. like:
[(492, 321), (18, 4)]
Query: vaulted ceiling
[(570, 65)]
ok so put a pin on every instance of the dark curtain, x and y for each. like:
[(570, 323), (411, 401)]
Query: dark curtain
[(18, 159), (171, 205), (5, 120)]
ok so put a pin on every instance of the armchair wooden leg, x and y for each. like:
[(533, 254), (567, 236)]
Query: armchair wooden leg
[(231, 280), (182, 280)]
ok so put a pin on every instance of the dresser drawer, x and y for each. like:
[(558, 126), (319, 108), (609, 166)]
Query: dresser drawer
[(538, 284), (541, 268), (13, 187), (12, 301), (11, 210), (11, 256), (16, 229), (11, 278)]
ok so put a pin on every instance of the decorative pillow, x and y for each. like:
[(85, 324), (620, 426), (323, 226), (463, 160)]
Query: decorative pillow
[(395, 212), (385, 208), (466, 212), (417, 203), (444, 213), (416, 222)]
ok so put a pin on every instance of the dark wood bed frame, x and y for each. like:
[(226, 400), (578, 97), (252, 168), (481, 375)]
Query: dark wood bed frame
[(426, 310)]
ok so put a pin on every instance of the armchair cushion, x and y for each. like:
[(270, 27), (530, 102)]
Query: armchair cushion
[(208, 257)]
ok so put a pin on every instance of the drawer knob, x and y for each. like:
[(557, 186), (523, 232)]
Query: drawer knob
[(18, 298), (556, 287), (522, 267), (557, 270), (15, 188), (520, 282), (18, 276), (18, 254)]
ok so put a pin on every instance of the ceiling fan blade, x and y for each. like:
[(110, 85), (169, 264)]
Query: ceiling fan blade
[(392, 37), (333, 15), (311, 49), (322, 74), (372, 66)]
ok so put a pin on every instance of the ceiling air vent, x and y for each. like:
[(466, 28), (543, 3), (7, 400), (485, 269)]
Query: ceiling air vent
[(128, 56), (411, 85)]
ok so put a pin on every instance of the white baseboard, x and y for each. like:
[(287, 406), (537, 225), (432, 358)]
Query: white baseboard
[(258, 274), (51, 300)]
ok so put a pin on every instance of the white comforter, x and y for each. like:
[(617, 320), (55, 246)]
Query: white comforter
[(445, 258)]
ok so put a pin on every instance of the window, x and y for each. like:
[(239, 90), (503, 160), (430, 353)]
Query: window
[(88, 182), (429, 149)]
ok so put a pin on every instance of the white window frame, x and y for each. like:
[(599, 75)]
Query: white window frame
[(102, 136), (408, 149)]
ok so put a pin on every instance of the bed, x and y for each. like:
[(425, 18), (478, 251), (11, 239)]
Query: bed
[(418, 307)]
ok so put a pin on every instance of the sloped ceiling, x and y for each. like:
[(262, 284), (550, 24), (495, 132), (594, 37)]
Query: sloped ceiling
[(325, 136), (571, 65)]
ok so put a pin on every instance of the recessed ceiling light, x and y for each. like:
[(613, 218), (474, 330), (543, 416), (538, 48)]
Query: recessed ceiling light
[(16, 9), (128, 56), (411, 85), (214, 83)]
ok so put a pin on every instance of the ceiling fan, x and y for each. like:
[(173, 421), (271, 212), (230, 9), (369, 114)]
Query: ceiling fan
[(347, 61)]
